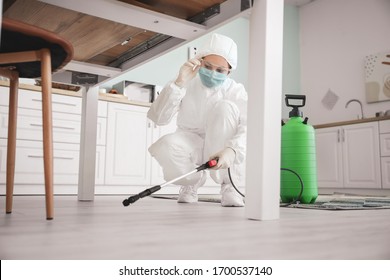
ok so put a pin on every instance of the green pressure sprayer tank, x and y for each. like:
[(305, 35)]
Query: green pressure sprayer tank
[(298, 156)]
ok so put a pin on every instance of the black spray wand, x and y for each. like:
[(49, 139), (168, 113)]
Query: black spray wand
[(147, 192)]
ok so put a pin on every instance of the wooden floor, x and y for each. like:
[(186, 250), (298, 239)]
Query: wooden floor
[(163, 229)]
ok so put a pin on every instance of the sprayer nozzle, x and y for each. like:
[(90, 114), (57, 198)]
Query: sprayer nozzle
[(130, 200)]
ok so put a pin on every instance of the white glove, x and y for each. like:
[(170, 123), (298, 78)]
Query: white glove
[(225, 158), (187, 72)]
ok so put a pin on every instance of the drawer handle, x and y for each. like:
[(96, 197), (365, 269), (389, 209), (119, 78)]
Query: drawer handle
[(54, 126), (56, 102), (55, 157)]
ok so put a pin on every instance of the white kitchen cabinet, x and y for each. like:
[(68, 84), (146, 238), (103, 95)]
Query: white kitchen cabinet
[(129, 135), (384, 134), (329, 158), (348, 156), (66, 138), (29, 175), (128, 139), (361, 151)]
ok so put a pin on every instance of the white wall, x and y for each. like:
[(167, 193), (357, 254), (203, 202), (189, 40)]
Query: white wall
[(291, 55), (335, 38)]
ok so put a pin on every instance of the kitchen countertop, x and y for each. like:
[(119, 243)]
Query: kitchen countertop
[(119, 98), (341, 123), (5, 83)]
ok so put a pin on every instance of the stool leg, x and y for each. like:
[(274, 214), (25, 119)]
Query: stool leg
[(47, 131), (11, 142)]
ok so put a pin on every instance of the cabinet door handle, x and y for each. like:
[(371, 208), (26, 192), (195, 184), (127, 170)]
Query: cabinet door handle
[(342, 135), (54, 126), (338, 135), (56, 102), (55, 157), (66, 158)]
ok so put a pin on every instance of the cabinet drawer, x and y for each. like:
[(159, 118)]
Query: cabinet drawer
[(33, 100), (384, 126), (29, 163), (385, 144), (66, 127)]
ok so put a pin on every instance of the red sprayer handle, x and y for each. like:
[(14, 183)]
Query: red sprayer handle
[(209, 164)]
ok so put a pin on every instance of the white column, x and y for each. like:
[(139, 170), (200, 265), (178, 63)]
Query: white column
[(264, 110), (86, 188)]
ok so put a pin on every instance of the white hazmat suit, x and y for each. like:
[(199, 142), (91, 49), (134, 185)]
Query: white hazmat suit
[(211, 121)]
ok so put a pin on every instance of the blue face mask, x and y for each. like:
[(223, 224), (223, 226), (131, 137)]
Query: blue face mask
[(211, 78)]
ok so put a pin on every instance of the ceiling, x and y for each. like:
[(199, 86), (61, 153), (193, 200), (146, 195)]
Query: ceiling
[(110, 36)]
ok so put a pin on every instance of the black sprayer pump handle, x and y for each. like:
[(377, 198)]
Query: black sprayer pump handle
[(295, 111), (295, 97)]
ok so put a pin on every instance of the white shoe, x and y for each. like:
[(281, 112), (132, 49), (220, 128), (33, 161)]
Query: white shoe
[(230, 197), (188, 194)]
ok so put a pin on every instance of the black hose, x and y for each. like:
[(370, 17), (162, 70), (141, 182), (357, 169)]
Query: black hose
[(231, 181), (300, 180), (284, 169)]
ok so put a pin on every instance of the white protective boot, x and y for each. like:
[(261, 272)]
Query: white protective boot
[(189, 194), (230, 197)]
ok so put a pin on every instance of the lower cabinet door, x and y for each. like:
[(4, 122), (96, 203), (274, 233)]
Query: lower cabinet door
[(128, 139)]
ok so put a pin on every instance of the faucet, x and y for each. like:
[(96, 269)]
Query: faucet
[(358, 101)]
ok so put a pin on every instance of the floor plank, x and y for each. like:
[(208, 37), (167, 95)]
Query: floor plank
[(163, 229)]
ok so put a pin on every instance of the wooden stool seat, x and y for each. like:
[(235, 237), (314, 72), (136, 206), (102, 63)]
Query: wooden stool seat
[(30, 52)]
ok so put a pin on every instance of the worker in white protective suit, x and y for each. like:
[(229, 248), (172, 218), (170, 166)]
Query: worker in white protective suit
[(211, 121)]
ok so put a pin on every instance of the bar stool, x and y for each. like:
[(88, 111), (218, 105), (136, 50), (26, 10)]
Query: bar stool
[(30, 52)]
